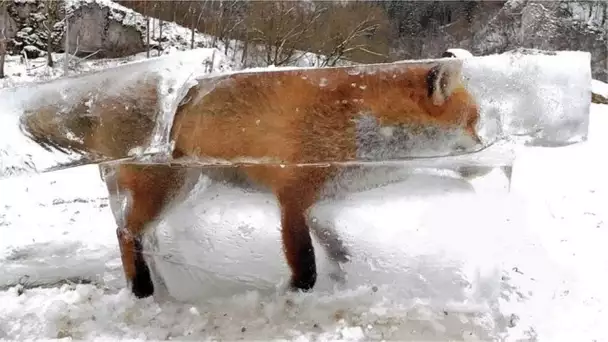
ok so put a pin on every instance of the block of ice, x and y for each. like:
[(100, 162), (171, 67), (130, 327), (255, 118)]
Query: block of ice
[(544, 97), (407, 112), (142, 93)]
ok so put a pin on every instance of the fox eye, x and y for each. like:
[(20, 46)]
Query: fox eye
[(441, 80)]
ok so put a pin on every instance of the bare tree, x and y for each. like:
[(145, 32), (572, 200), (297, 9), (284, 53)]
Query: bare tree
[(3, 38), (196, 19), (229, 19), (344, 43), (160, 36), (192, 25), (245, 49), (173, 10), (280, 27), (275, 32), (154, 15), (147, 29), (52, 17), (66, 61)]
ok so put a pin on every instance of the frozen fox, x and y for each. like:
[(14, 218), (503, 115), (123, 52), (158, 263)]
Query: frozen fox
[(283, 118)]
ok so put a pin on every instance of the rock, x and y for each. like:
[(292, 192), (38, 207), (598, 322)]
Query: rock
[(94, 27)]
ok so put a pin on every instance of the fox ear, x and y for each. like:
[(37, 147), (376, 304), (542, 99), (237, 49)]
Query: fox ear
[(441, 81), (448, 54)]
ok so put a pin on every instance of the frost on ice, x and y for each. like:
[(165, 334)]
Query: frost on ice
[(143, 93), (518, 93), (543, 97)]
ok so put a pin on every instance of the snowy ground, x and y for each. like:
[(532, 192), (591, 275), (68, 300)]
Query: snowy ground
[(546, 238)]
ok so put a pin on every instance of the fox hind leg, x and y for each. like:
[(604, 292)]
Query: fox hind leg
[(295, 200), (260, 179)]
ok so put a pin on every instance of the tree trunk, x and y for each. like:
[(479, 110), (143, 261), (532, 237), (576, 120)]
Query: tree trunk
[(147, 29), (160, 36), (147, 37), (2, 54), (3, 39), (192, 36), (49, 51), (173, 11), (245, 47), (66, 47)]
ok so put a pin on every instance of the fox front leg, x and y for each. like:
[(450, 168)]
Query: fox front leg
[(148, 190)]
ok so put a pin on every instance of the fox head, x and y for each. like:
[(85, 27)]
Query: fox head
[(453, 102), (421, 111)]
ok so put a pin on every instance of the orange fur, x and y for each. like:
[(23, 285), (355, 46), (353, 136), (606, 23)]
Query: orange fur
[(297, 116), (291, 118)]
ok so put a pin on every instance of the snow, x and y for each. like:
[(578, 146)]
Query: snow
[(458, 53), (436, 259), (177, 37)]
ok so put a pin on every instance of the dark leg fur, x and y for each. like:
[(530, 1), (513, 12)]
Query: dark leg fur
[(150, 189), (142, 285), (299, 251), (295, 197)]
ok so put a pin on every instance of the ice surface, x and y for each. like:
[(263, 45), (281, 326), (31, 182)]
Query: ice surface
[(150, 87), (540, 96), (543, 97), (223, 239)]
